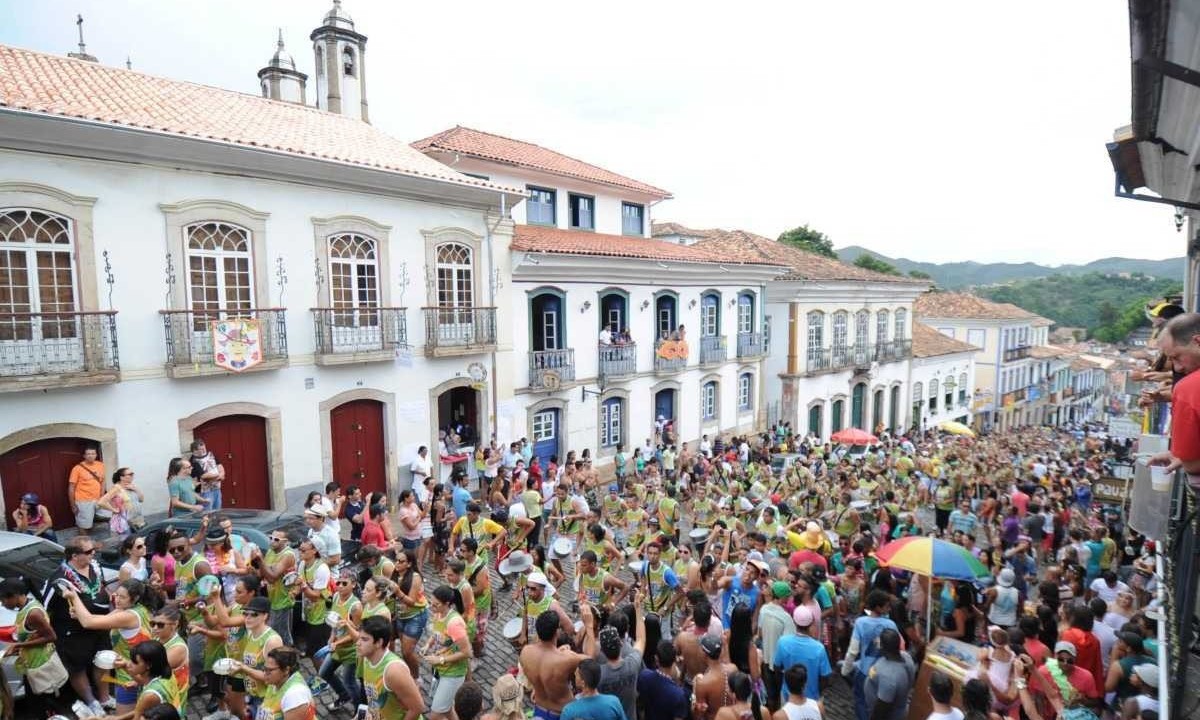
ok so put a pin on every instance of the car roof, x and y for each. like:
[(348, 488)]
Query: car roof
[(13, 540)]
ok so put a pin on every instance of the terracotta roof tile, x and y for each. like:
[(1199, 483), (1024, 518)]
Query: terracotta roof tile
[(661, 229), (802, 265), (488, 146), (963, 305), (539, 238), (927, 342), (54, 85), (1047, 352)]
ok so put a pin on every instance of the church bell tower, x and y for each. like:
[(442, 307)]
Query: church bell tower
[(280, 80), (340, 55)]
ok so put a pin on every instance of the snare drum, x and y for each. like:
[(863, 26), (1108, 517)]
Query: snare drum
[(512, 632), (563, 547)]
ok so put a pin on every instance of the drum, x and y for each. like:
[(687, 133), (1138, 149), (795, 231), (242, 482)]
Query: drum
[(512, 632), (636, 567), (563, 547)]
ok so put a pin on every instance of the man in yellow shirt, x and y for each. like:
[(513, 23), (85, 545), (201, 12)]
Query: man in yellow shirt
[(85, 486), (487, 532)]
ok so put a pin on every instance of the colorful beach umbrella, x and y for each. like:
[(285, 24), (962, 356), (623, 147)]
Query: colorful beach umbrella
[(956, 428), (933, 557), (854, 436)]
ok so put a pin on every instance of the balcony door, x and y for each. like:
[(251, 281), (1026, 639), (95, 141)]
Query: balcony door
[(858, 400), (710, 315), (745, 313), (612, 312), (354, 293), (665, 316), (37, 280), (220, 277), (455, 294), (547, 325)]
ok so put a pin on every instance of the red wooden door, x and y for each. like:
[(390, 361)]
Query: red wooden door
[(240, 444), (42, 467), (356, 431)]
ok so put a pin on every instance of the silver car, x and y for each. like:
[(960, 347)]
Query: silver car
[(35, 559)]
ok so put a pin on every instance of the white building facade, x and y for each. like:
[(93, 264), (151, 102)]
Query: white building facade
[(941, 378)]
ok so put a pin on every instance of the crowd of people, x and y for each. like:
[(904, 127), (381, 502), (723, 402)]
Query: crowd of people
[(730, 581)]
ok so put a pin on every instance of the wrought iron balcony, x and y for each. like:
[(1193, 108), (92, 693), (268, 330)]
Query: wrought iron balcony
[(862, 355), (549, 369), (1016, 353), (618, 361), (750, 344), (892, 350), (190, 347), (459, 330), (670, 356), (349, 335), (58, 349), (713, 350)]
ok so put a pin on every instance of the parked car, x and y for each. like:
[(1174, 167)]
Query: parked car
[(782, 462), (254, 525), (34, 559)]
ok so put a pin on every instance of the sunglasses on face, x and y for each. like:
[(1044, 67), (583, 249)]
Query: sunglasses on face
[(86, 552), (251, 613), (177, 549), (160, 624), (343, 583)]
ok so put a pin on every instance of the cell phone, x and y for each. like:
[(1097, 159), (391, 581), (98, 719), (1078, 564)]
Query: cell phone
[(361, 714)]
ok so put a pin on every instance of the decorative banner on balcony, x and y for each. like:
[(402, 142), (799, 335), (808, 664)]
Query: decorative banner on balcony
[(237, 344), (673, 350)]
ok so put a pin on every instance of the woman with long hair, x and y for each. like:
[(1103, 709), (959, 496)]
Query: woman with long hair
[(410, 514), (343, 652), (151, 672), (448, 650), (124, 501), (412, 609), (964, 618), (440, 521), (745, 701), (128, 624), (232, 621), (373, 532), (653, 628), (739, 639), (164, 626), (162, 563), (134, 567)]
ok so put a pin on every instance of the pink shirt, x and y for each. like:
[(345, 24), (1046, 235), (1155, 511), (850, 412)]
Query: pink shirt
[(413, 514), (1020, 501)]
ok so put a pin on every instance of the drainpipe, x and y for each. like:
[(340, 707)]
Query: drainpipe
[(492, 279), (793, 359)]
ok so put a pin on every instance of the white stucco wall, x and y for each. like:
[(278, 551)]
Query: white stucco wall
[(924, 370)]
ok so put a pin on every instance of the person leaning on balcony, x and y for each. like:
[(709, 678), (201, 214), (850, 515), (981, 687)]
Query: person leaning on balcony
[(606, 336), (85, 485), (1179, 342)]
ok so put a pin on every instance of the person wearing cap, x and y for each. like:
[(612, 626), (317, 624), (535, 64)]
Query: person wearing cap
[(32, 518), (742, 588), (1002, 601), (260, 640), (487, 532), (1127, 654), (1064, 681), (710, 690), (800, 648), (1145, 679), (280, 561), (1086, 645), (327, 534), (540, 599)]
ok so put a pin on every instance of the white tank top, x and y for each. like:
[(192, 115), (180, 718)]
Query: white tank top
[(1004, 608), (810, 710)]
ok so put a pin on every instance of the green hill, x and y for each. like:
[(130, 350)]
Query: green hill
[(971, 274)]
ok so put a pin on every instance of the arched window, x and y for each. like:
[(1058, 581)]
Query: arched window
[(948, 392), (455, 276), (962, 389), (220, 270), (745, 392), (862, 328), (348, 62), (837, 416), (354, 279), (611, 412), (901, 325), (933, 395), (37, 274), (745, 318), (881, 327), (815, 420), (708, 400), (710, 314), (816, 335)]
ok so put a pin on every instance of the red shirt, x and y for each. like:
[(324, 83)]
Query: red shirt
[(1021, 502), (1037, 650), (802, 556), (372, 534), (1185, 418), (1079, 679), (1087, 653)]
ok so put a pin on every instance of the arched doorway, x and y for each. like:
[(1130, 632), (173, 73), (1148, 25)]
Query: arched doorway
[(814, 421), (894, 410), (356, 431), (42, 467), (877, 410), (665, 406), (544, 432), (458, 408), (546, 322), (858, 401), (838, 415), (240, 444)]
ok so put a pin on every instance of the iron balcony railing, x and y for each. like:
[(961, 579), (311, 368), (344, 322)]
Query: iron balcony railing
[(749, 344), (892, 350), (57, 343), (819, 360), (358, 330), (862, 355), (713, 349), (460, 327), (617, 361), (557, 363), (189, 333), (1016, 353), (673, 364)]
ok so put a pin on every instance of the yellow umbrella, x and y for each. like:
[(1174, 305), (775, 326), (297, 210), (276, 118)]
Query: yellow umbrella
[(956, 428)]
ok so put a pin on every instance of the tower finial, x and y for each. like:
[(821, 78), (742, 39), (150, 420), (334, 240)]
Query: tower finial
[(279, 44), (79, 23), (128, 63)]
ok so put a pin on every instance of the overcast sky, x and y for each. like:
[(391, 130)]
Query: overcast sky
[(936, 131)]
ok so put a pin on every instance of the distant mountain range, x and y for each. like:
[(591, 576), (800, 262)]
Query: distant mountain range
[(966, 274)]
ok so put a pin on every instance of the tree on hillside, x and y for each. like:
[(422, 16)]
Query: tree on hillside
[(805, 238), (870, 262), (919, 275)]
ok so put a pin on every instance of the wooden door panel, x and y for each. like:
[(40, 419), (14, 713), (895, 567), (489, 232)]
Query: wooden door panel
[(240, 444), (356, 435), (41, 467)]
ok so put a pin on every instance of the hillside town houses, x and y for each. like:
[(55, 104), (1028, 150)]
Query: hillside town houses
[(317, 300)]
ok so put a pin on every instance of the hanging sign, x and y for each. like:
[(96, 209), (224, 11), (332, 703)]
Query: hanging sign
[(237, 344)]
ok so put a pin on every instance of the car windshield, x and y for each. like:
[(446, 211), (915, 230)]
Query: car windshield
[(36, 561)]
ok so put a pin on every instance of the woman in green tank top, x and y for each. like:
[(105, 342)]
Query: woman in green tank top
[(349, 610), (128, 624), (287, 695), (232, 622), (151, 670), (448, 650), (33, 636), (164, 625), (260, 640), (412, 609)]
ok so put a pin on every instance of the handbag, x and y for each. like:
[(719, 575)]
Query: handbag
[(47, 678)]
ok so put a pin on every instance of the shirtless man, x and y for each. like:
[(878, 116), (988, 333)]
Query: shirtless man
[(692, 660), (711, 689), (548, 669)]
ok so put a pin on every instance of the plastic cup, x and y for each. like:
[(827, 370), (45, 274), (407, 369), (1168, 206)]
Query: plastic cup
[(1160, 478)]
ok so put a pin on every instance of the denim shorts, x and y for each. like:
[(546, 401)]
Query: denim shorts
[(127, 696), (410, 544), (413, 627)]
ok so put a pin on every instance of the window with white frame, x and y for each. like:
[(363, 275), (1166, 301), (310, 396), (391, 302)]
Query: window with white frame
[(767, 335), (841, 319), (862, 328), (455, 276), (543, 426), (708, 400), (610, 422), (977, 337), (882, 319), (354, 279), (540, 207), (745, 317), (582, 211), (918, 393), (633, 219), (37, 274), (901, 324), (745, 392), (710, 315), (816, 334), (933, 395), (220, 270)]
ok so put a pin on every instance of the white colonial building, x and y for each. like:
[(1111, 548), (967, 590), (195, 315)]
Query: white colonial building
[(136, 211), (942, 378), (586, 274)]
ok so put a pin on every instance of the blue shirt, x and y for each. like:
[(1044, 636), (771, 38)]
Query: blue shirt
[(461, 496), (662, 698), (594, 707), (735, 594), (867, 630), (800, 649)]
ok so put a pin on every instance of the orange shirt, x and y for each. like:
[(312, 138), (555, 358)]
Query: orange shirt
[(87, 488)]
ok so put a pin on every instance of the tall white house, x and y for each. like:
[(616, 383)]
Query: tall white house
[(941, 378), (614, 333)]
